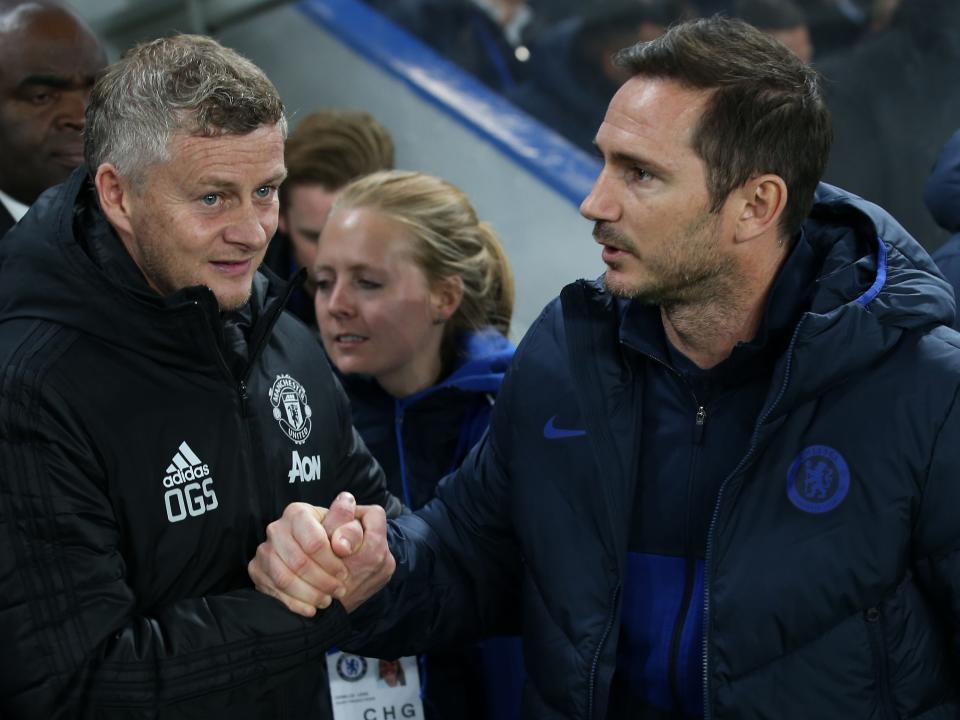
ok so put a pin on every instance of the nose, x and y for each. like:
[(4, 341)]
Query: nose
[(250, 226), (601, 203), (73, 106), (339, 300)]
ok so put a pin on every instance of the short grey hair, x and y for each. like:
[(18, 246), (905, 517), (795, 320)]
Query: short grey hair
[(186, 84)]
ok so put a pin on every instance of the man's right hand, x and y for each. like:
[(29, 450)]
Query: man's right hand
[(312, 555)]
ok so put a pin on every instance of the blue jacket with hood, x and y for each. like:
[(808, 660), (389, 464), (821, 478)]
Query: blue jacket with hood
[(418, 440), (837, 598), (942, 196)]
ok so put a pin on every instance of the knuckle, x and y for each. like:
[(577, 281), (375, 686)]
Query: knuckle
[(280, 575), (297, 564), (295, 509), (314, 538)]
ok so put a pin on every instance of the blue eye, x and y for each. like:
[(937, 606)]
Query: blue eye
[(369, 284), (264, 192), (210, 200)]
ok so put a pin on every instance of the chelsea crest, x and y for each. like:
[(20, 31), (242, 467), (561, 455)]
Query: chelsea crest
[(290, 408)]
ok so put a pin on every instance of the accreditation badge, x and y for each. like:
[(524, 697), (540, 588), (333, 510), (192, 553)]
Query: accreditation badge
[(363, 688)]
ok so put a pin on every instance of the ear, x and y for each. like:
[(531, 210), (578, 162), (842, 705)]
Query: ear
[(762, 200), (115, 196), (446, 296)]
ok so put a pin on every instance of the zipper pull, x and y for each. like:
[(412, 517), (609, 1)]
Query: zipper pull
[(698, 426)]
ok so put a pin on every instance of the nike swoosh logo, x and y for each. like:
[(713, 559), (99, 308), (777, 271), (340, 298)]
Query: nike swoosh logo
[(552, 432)]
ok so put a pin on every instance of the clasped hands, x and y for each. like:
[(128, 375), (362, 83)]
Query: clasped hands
[(313, 555)]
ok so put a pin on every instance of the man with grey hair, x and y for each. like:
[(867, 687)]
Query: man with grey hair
[(48, 61), (159, 410)]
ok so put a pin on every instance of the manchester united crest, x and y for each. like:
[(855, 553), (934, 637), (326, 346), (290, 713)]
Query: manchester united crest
[(290, 408)]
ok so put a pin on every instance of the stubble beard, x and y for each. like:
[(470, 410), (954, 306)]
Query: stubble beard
[(165, 273), (698, 275)]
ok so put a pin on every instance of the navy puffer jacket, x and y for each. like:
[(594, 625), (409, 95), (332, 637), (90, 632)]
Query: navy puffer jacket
[(832, 575)]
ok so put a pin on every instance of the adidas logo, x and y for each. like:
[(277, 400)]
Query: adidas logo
[(186, 466), (196, 496)]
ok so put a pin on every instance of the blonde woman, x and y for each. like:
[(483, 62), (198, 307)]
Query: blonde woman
[(414, 300)]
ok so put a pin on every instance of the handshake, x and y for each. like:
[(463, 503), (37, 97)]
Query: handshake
[(312, 556)]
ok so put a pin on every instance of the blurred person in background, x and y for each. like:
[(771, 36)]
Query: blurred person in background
[(414, 300), (832, 24), (894, 98), (327, 150), (942, 197), (49, 60), (781, 19), (836, 24), (488, 38), (572, 75)]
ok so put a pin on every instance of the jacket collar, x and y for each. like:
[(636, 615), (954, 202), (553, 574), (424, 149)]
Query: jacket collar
[(641, 328)]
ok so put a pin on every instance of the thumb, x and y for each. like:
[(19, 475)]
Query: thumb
[(341, 513)]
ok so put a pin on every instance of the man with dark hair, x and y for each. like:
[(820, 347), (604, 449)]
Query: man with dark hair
[(159, 409), (721, 482), (327, 150), (48, 60)]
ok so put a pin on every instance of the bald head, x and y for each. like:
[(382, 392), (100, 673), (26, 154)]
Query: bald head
[(49, 60)]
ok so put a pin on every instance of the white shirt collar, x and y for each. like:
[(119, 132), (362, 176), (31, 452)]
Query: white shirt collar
[(16, 209)]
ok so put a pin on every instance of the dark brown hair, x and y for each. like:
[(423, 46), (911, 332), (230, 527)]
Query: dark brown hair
[(766, 113)]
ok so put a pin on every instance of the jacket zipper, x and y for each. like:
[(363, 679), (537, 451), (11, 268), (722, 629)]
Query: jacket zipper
[(276, 311), (878, 644), (673, 663), (268, 492), (716, 512), (700, 420), (611, 617)]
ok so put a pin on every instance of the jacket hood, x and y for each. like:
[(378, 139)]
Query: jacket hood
[(942, 191), (486, 357), (875, 284), (50, 274)]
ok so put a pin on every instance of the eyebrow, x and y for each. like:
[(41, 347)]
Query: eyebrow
[(624, 158), (56, 81), (217, 183), (356, 267)]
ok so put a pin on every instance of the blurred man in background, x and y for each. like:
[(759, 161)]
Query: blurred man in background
[(49, 60), (328, 149)]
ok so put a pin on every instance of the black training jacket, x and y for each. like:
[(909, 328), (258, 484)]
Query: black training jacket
[(141, 457)]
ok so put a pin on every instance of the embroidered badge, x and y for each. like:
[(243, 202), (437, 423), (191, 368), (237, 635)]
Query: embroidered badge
[(290, 408), (351, 667), (818, 479)]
